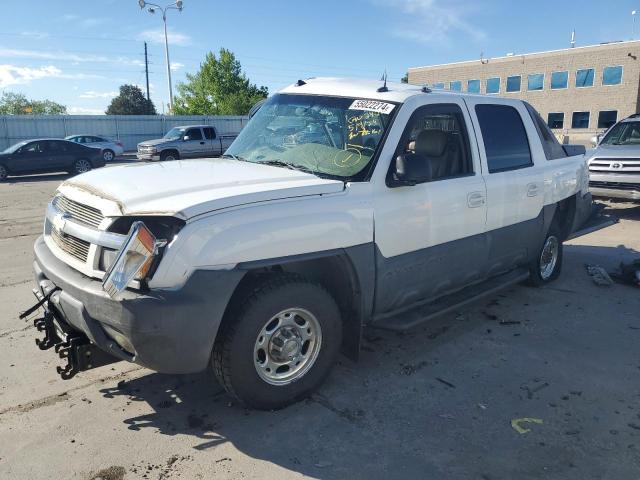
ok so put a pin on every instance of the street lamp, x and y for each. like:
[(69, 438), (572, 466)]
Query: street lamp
[(633, 27), (152, 9)]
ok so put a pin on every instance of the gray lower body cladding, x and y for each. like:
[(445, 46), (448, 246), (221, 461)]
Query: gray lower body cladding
[(171, 331)]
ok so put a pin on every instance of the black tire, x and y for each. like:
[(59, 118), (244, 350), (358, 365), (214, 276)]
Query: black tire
[(4, 173), (536, 276), (169, 155), (108, 155), (82, 165), (234, 359)]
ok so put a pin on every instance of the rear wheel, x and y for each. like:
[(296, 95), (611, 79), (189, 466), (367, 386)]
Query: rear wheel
[(3, 173), (81, 166), (548, 264), (108, 155), (280, 344)]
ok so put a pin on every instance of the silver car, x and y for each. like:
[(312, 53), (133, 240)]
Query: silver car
[(110, 148), (614, 165)]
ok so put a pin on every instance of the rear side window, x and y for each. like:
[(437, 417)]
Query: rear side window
[(505, 138), (551, 146), (209, 133)]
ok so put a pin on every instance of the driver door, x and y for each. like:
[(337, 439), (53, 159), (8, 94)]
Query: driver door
[(29, 158), (195, 146)]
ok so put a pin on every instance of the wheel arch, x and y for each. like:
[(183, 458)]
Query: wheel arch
[(173, 150), (347, 274)]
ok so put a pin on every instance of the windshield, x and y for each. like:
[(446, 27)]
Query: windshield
[(323, 135), (13, 148), (174, 134), (627, 133)]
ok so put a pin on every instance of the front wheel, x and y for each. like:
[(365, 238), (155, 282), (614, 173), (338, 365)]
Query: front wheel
[(168, 156), (3, 173), (81, 166), (548, 264), (280, 344)]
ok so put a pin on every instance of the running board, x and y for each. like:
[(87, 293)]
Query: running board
[(423, 313)]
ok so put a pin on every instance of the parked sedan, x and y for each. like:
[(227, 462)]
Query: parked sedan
[(48, 155), (110, 148)]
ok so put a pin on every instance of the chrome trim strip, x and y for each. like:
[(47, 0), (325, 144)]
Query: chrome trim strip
[(97, 237)]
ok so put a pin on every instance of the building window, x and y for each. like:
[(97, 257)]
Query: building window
[(536, 81), (584, 77), (612, 75), (493, 85), (473, 86), (555, 120), (580, 120), (456, 86), (607, 118), (505, 139), (513, 83), (439, 85), (559, 80)]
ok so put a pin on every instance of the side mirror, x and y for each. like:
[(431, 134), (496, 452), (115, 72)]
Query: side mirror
[(186, 138), (573, 150), (412, 168)]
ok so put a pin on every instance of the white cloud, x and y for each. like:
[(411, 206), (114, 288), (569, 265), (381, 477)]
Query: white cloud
[(157, 36), (14, 75), (176, 66), (44, 55), (85, 111), (94, 94), (83, 22), (434, 21)]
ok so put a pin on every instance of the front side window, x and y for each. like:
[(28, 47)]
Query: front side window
[(330, 136), (194, 134), (607, 118), (612, 75), (580, 120), (584, 77), (514, 83), (456, 86), (535, 82), (473, 86), (626, 133), (559, 80), (438, 134), (33, 147), (493, 85), (505, 139), (555, 120)]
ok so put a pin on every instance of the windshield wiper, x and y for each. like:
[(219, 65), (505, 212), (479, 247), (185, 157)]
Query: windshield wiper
[(233, 157), (290, 166)]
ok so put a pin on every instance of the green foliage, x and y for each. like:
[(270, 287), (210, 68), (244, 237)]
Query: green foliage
[(218, 88), (19, 104), (131, 101), (405, 79)]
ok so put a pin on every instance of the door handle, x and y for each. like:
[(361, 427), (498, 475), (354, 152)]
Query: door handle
[(475, 199), (201, 143), (532, 190)]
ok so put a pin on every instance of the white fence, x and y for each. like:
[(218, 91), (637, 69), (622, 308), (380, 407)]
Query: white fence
[(129, 129)]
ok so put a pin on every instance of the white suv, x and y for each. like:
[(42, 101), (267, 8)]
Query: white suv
[(341, 204)]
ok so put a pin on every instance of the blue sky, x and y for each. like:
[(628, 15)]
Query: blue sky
[(77, 52)]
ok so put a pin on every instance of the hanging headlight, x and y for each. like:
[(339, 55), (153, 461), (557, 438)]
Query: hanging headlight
[(133, 260)]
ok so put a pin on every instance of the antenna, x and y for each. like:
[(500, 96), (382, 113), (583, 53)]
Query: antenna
[(384, 87), (573, 38)]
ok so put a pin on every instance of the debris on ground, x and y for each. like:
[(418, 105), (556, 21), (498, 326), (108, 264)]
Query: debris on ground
[(448, 384), (515, 424), (599, 275), (111, 473), (628, 273)]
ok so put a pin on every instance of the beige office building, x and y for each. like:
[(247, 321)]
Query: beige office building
[(580, 91)]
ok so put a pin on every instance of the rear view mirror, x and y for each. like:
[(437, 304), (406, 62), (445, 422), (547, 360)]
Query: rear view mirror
[(573, 150), (412, 168)]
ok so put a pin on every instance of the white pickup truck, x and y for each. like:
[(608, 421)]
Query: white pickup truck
[(341, 204)]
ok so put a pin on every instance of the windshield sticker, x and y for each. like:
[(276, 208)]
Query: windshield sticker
[(372, 106)]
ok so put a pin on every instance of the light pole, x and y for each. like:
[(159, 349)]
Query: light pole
[(633, 25), (152, 9)]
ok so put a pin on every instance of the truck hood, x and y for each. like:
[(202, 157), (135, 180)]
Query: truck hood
[(186, 188), (617, 151), (157, 141)]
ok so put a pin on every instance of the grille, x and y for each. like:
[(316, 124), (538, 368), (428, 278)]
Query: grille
[(77, 211), (73, 246), (616, 185), (622, 165)]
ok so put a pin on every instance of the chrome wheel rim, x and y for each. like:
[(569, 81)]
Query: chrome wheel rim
[(169, 157), (83, 166), (108, 156), (549, 257), (287, 346)]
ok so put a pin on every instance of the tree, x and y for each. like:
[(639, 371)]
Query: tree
[(18, 104), (131, 101), (405, 79), (218, 88)]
